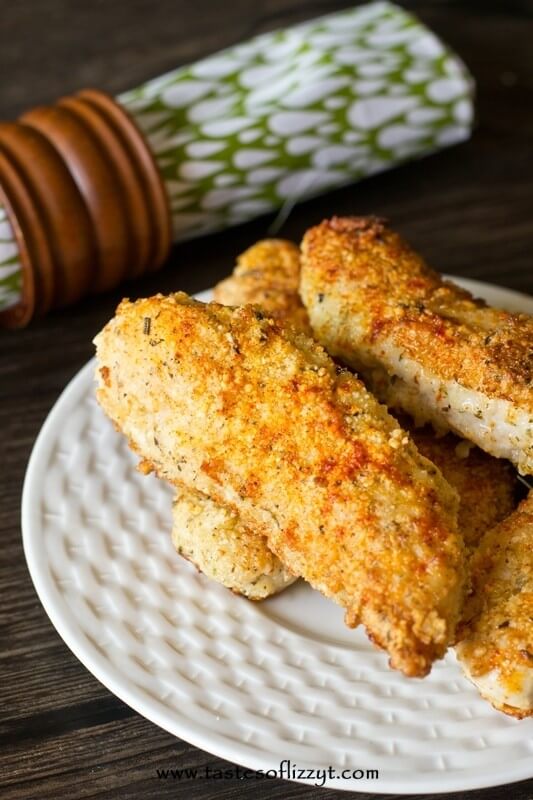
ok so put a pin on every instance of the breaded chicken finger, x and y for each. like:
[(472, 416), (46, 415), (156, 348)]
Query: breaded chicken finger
[(496, 637), (422, 344), (261, 420)]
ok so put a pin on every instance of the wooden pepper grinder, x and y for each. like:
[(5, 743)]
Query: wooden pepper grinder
[(85, 200)]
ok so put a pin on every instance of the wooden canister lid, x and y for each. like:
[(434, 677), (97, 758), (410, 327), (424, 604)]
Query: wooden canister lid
[(85, 199)]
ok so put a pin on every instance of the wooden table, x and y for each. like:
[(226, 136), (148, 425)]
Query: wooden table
[(467, 209)]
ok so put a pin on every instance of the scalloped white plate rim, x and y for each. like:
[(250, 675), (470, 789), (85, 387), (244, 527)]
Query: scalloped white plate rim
[(155, 710)]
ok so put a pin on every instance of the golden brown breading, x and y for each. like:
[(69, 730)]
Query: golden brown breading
[(259, 418), (215, 540), (212, 537), (496, 637), (267, 275), (422, 343), (486, 485)]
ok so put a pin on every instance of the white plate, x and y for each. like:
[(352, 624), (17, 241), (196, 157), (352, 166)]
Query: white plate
[(252, 683)]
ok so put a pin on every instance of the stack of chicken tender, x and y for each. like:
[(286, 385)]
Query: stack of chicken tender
[(288, 464)]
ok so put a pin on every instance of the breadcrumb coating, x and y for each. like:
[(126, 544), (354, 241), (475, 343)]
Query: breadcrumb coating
[(496, 635), (212, 537), (486, 485), (423, 344), (267, 275), (260, 419), (216, 541)]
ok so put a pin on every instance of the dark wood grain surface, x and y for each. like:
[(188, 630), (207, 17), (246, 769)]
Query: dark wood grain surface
[(468, 209)]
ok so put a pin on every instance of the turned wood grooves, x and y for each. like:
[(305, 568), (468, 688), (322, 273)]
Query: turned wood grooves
[(85, 199)]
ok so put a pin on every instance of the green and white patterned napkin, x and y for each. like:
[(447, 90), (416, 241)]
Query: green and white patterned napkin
[(292, 114)]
